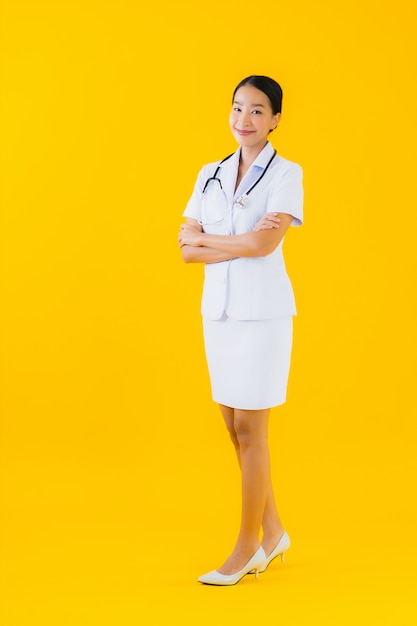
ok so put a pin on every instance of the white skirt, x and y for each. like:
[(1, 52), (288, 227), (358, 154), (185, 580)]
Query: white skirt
[(248, 361)]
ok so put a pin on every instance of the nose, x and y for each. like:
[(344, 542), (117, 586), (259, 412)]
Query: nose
[(245, 118)]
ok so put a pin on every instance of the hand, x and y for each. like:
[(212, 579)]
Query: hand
[(268, 221), (189, 236)]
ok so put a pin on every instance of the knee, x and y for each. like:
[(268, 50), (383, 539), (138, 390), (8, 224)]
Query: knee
[(248, 430), (243, 433)]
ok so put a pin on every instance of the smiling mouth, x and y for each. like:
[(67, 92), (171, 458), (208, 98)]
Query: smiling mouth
[(244, 132)]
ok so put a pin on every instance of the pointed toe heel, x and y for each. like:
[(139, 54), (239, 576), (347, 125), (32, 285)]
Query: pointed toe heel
[(254, 564)]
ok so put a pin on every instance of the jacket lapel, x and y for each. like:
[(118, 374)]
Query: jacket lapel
[(229, 169), (228, 175)]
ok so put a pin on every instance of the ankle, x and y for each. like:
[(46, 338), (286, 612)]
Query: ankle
[(247, 546), (270, 540), (273, 532)]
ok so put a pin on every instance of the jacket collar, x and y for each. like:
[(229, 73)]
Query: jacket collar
[(260, 161), (228, 171)]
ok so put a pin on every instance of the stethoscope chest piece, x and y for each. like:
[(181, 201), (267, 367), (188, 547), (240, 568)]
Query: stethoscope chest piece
[(241, 201)]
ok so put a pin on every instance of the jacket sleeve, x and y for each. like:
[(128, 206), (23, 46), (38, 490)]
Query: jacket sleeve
[(193, 208), (286, 194)]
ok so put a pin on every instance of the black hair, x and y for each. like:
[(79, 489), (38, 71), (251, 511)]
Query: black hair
[(269, 87)]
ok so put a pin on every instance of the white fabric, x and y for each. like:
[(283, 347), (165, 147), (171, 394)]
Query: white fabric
[(248, 361), (248, 303), (247, 288)]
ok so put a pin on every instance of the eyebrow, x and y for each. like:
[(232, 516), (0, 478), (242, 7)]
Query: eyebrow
[(252, 105)]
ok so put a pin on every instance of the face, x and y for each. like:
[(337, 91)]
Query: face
[(251, 117)]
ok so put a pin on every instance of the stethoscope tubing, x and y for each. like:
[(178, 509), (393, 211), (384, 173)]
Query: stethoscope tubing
[(215, 177)]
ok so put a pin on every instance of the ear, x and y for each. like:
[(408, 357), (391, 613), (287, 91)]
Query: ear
[(276, 119)]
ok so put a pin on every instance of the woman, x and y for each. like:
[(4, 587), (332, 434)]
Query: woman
[(236, 220)]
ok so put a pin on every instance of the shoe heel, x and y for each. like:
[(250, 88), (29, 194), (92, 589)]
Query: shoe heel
[(256, 574), (282, 557)]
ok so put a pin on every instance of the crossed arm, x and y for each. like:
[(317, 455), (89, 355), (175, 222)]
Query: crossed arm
[(199, 247)]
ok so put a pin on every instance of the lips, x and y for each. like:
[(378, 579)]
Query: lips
[(244, 133)]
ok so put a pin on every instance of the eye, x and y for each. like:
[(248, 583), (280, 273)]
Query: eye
[(236, 109), (257, 112)]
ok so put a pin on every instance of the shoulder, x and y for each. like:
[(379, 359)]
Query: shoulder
[(226, 161), (286, 172), (209, 168), (284, 166)]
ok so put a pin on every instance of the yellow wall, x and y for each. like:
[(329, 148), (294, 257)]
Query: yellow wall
[(119, 484)]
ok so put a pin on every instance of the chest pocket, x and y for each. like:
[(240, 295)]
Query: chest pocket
[(215, 210)]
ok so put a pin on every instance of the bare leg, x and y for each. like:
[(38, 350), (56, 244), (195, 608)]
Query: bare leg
[(229, 418), (251, 428), (271, 523)]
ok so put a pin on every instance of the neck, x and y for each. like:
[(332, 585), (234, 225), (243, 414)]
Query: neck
[(249, 154)]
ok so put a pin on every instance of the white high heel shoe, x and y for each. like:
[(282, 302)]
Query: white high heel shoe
[(281, 547), (254, 563)]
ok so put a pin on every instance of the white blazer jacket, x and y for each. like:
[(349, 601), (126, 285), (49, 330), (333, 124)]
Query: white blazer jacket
[(247, 288)]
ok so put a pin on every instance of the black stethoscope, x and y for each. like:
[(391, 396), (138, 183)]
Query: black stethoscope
[(242, 199)]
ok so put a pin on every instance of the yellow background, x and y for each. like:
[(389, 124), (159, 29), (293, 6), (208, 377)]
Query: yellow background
[(119, 485)]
